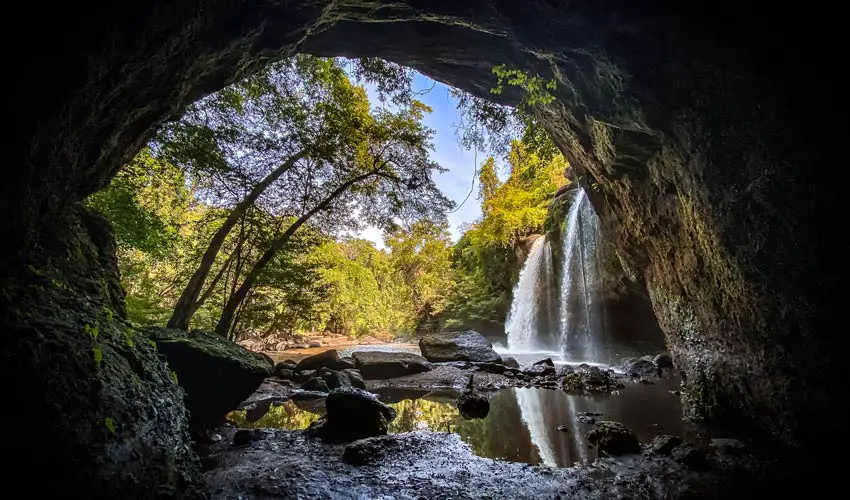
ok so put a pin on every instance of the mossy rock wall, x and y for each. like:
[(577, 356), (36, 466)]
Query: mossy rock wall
[(92, 405)]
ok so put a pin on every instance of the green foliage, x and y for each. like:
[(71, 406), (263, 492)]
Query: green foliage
[(484, 261), (97, 355), (110, 425), (536, 90), (139, 203)]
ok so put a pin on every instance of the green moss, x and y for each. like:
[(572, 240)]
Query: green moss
[(97, 354), (110, 425)]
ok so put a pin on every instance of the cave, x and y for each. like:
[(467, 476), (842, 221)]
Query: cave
[(701, 132)]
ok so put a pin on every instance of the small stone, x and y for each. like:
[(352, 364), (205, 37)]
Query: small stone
[(215, 438), (645, 381), (676, 393), (563, 428)]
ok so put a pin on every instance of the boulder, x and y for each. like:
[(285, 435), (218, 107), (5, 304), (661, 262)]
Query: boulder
[(316, 384), (283, 374), (663, 444), (545, 362), (382, 365), (536, 370), (283, 367), (496, 368), (473, 405), (352, 414), (613, 438), (349, 377), (327, 359), (640, 367), (663, 360), (315, 343), (370, 450), (458, 346), (510, 362), (215, 373), (564, 370)]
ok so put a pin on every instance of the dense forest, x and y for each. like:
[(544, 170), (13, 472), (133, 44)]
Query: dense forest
[(237, 218)]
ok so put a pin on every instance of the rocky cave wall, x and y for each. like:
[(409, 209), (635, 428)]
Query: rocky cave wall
[(707, 132)]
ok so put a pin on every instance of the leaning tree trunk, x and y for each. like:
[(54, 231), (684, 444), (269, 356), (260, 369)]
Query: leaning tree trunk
[(236, 298), (188, 303)]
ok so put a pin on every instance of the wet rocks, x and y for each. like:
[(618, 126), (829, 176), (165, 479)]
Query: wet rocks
[(496, 368), (283, 371), (663, 360), (352, 414), (458, 346), (538, 370), (613, 438), (663, 444), (590, 379), (215, 373), (243, 437), (727, 446), (545, 362), (327, 359), (564, 370), (640, 368), (316, 384), (510, 362), (374, 365), (349, 377), (370, 450)]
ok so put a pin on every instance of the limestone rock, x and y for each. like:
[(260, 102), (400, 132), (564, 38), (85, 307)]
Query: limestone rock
[(613, 438), (315, 384), (352, 414), (382, 365), (641, 367), (215, 373), (458, 346), (349, 377), (510, 362), (326, 359)]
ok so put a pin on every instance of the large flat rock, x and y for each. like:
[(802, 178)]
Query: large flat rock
[(458, 346), (382, 365)]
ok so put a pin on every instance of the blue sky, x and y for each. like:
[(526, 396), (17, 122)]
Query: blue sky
[(457, 181)]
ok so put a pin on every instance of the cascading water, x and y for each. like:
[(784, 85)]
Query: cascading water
[(580, 318), (522, 322), (560, 316)]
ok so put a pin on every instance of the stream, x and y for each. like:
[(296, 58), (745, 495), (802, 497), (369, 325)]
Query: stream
[(523, 423)]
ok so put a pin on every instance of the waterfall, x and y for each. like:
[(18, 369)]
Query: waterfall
[(579, 317), (523, 318), (548, 314)]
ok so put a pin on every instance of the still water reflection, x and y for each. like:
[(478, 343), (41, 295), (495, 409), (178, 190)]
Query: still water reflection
[(523, 423)]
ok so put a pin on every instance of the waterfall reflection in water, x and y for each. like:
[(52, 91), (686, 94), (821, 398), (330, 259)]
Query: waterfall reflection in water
[(523, 423)]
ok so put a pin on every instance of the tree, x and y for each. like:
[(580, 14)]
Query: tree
[(241, 142), (421, 253), (384, 177)]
